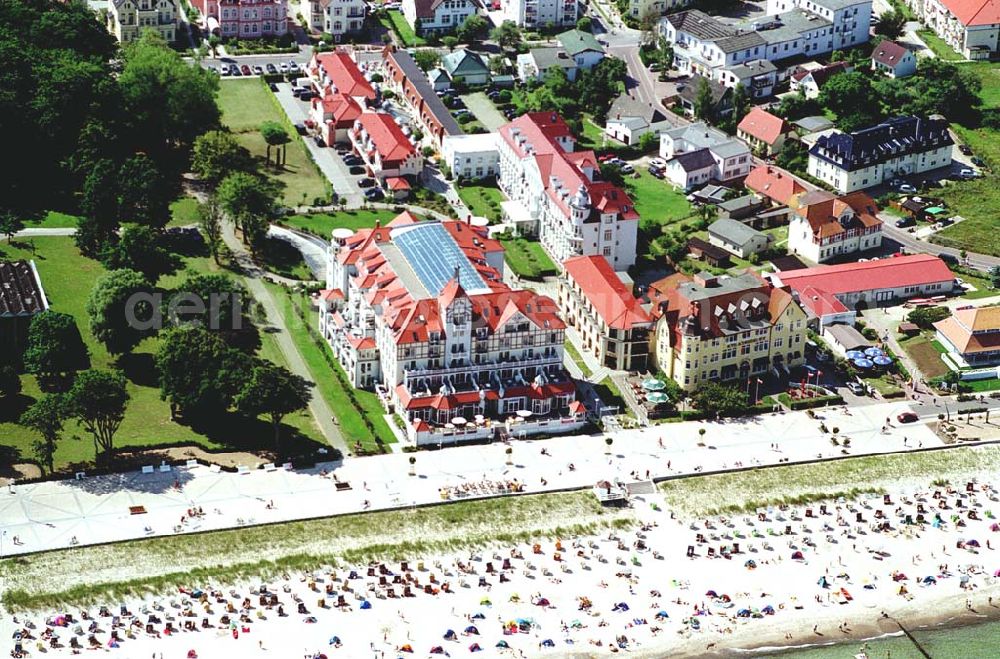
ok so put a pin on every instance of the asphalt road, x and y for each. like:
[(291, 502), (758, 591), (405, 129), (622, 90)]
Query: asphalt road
[(978, 261)]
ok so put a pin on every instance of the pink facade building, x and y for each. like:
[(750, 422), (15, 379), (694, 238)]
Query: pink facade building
[(244, 19)]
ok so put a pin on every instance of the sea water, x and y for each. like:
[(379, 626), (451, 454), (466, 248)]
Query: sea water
[(963, 642)]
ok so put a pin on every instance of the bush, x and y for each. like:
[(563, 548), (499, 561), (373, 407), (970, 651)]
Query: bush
[(505, 96)]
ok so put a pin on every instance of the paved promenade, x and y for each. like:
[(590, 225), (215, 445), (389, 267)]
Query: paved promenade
[(59, 514)]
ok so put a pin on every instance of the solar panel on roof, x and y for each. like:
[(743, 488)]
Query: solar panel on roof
[(433, 254)]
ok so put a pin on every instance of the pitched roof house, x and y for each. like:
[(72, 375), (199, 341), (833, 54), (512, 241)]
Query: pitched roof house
[(780, 186), (894, 60), (466, 66), (972, 336), (810, 81), (824, 227), (763, 130)]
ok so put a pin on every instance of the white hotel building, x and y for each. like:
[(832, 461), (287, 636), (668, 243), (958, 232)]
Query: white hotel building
[(556, 193), (418, 311)]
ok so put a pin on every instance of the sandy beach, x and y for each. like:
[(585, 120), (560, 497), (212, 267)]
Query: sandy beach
[(787, 576)]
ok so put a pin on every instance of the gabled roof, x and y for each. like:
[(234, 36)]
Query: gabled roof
[(575, 42), (611, 299), (974, 12), (341, 108), (692, 161), (734, 231), (898, 272), (464, 62), (822, 74), (763, 125), (426, 8), (344, 74), (825, 216), (820, 303), (626, 106), (972, 330), (774, 183), (392, 145), (889, 53)]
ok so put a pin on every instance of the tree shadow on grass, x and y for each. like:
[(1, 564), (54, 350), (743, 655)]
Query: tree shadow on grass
[(11, 407), (9, 455), (241, 433), (139, 368)]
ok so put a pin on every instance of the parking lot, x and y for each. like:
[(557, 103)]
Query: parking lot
[(256, 65)]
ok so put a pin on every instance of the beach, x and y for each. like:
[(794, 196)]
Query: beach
[(669, 585)]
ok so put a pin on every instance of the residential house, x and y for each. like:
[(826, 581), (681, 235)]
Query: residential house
[(824, 308), (971, 336), (809, 82), (722, 96), (702, 250), (693, 146), (640, 9), (411, 84), (334, 113), (472, 156), (536, 63), (338, 73), (419, 312), (813, 124), (560, 195), (894, 60), (467, 67), (439, 79), (611, 321), (427, 16), (244, 19), (774, 183), (726, 329), (738, 238), (389, 155), (758, 77), (895, 148), (763, 131), (22, 297), (582, 47), (874, 283), (824, 227), (342, 17), (971, 27), (629, 119), (850, 20), (128, 19), (540, 13)]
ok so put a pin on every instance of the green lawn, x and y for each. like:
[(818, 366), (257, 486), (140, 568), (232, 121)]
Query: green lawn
[(55, 220), (528, 259), (350, 417), (324, 223), (245, 105), (989, 74), (608, 392), (280, 257), (989, 384), (922, 350), (593, 135), (482, 200), (184, 212), (938, 45), (396, 22), (978, 201), (656, 201), (68, 278), (574, 354)]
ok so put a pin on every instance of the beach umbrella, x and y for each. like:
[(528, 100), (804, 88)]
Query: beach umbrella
[(548, 643), (576, 624), (929, 580), (479, 616), (657, 397), (711, 593), (525, 621), (542, 601), (854, 354), (797, 556), (652, 384), (486, 602), (743, 613), (973, 543), (437, 649), (406, 648), (768, 610), (502, 644), (874, 352), (334, 640)]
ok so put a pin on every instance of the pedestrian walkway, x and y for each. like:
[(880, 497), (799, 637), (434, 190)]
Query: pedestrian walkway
[(321, 412)]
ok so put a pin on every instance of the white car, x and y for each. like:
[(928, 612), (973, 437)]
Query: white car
[(906, 188), (856, 388), (293, 67), (283, 67), (659, 163), (627, 168)]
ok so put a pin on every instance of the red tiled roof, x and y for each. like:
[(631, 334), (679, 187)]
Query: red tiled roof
[(471, 238), (341, 108), (344, 74), (397, 183), (959, 328), (541, 132), (362, 342), (974, 12), (820, 303), (774, 183), (763, 125), (612, 300), (909, 270), (822, 74), (823, 215), (392, 144), (889, 53), (576, 407), (330, 294)]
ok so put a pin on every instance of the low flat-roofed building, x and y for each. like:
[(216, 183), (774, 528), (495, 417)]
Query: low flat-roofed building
[(21, 299)]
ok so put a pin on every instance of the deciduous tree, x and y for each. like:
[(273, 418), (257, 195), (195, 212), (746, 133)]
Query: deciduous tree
[(716, 399), (54, 346), (275, 135), (210, 223), (46, 416), (275, 392), (97, 400), (139, 248), (197, 371), (507, 35), (217, 153), (122, 310)]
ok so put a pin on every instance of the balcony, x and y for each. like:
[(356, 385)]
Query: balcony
[(490, 365)]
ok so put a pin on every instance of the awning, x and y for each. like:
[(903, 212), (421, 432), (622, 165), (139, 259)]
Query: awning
[(935, 210)]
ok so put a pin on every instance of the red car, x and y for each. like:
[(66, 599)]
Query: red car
[(907, 417), (246, 70)]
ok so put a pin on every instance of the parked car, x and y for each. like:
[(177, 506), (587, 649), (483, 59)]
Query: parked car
[(964, 148), (366, 182), (968, 173), (273, 87), (307, 94), (627, 168), (300, 128), (656, 171), (948, 258), (659, 163), (352, 160), (319, 141), (356, 170), (245, 69), (906, 188), (283, 67), (271, 68), (904, 222), (374, 194), (857, 388), (907, 417), (655, 66), (294, 67), (258, 70), (978, 162)]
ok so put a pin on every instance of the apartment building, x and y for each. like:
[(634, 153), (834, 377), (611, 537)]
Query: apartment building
[(471, 156), (418, 311), (390, 156), (850, 19), (726, 328), (127, 19), (825, 227), (426, 16), (611, 321), (570, 208), (697, 153), (343, 17), (411, 84), (539, 13), (897, 147), (244, 19), (971, 27)]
